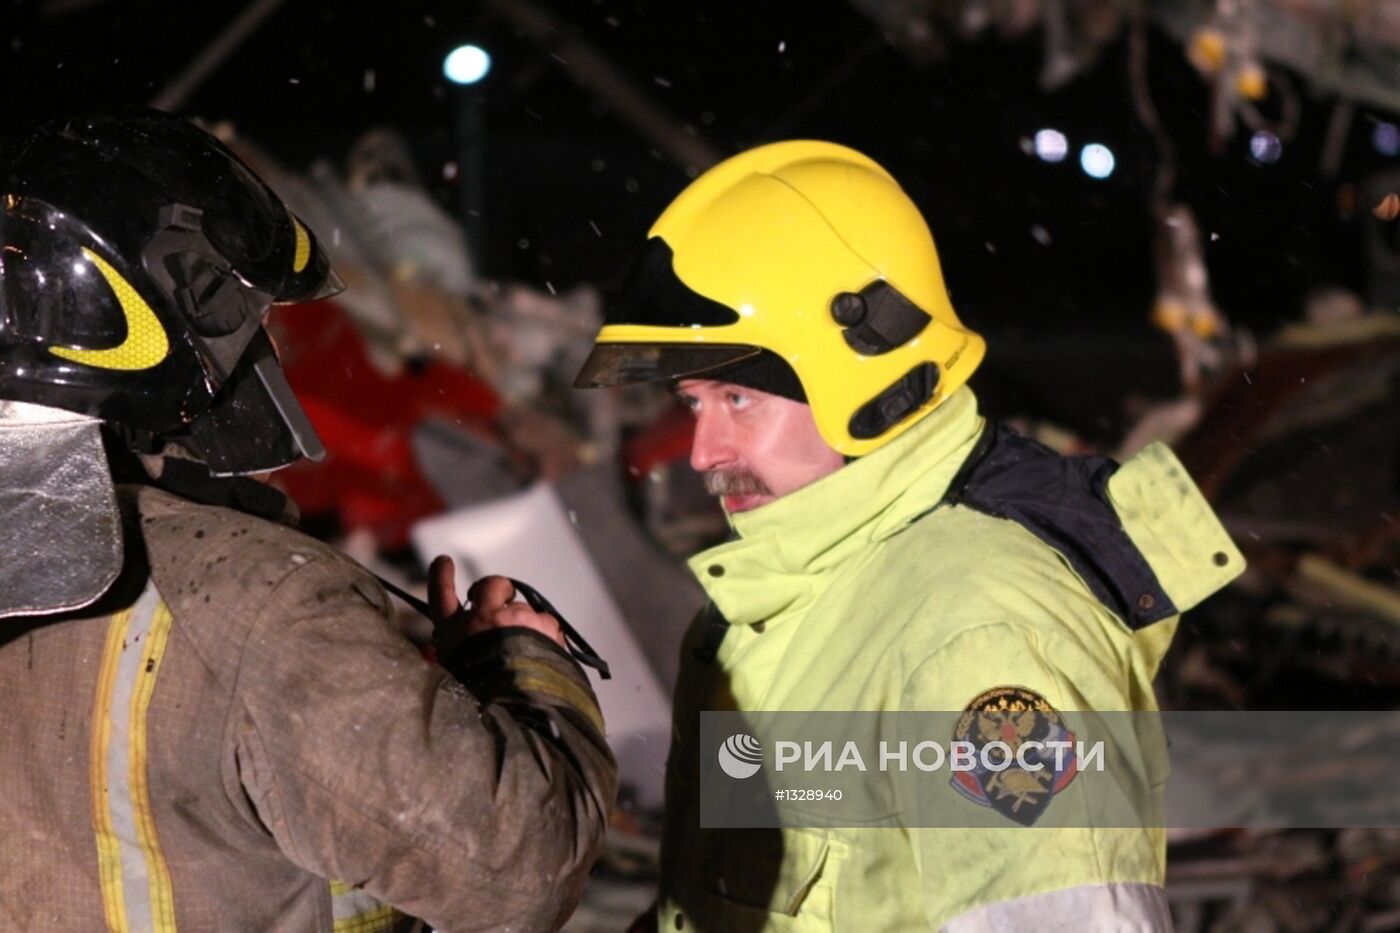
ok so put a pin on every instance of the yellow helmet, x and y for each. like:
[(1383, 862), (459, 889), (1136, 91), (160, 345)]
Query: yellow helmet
[(808, 251)]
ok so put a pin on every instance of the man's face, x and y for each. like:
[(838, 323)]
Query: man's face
[(753, 447)]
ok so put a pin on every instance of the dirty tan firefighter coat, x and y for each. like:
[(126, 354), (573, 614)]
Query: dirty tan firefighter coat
[(249, 744)]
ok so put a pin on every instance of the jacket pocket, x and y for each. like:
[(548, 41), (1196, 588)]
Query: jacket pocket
[(771, 879)]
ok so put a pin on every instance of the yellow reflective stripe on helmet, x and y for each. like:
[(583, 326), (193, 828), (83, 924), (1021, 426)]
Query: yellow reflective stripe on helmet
[(133, 872), (146, 343), (357, 911), (303, 254)]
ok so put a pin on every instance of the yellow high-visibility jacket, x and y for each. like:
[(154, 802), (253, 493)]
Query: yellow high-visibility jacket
[(875, 589)]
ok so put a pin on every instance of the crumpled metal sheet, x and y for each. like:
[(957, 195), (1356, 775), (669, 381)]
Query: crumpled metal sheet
[(61, 540)]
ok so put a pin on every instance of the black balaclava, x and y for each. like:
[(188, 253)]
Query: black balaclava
[(766, 372)]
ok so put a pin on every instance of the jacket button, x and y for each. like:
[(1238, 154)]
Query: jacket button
[(760, 627), (716, 570), (680, 922), (1146, 602), (1221, 558)]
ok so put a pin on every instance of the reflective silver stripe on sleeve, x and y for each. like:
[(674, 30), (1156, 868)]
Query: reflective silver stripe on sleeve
[(132, 868), (1124, 908)]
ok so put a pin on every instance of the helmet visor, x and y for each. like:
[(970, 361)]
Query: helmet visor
[(612, 364), (53, 293), (330, 286)]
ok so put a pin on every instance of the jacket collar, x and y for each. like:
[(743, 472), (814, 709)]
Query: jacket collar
[(808, 533)]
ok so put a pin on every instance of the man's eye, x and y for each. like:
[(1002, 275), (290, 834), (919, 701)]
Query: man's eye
[(692, 403), (737, 399)]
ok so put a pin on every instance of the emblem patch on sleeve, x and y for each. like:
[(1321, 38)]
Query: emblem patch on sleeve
[(1022, 751)]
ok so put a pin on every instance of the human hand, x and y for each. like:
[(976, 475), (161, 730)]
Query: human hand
[(491, 607)]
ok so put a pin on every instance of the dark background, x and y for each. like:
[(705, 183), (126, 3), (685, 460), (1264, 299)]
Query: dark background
[(570, 189), (1054, 267)]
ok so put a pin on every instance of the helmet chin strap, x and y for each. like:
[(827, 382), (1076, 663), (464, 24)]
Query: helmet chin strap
[(61, 541)]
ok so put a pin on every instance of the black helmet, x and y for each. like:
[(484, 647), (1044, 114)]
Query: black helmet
[(138, 259)]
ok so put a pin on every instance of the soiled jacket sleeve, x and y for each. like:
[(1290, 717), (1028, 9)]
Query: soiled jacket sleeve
[(475, 804)]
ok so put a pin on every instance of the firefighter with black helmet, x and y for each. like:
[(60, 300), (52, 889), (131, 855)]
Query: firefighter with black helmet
[(210, 719)]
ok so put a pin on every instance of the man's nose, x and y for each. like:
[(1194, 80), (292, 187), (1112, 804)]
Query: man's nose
[(710, 447)]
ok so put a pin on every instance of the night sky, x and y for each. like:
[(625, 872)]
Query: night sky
[(1053, 265)]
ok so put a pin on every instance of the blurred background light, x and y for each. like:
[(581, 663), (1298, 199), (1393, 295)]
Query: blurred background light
[(1386, 138), (466, 64), (1051, 145), (1265, 147), (1097, 160)]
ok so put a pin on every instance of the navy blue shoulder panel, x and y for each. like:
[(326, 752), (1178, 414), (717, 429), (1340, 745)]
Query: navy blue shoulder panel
[(1063, 501)]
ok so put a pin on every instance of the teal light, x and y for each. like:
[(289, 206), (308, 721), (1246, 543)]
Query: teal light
[(466, 64)]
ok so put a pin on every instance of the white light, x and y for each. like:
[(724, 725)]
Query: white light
[(466, 64), (746, 310), (1097, 160), (1265, 147), (1386, 138), (1051, 145)]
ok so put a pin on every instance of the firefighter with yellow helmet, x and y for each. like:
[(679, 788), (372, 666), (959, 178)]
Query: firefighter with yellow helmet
[(892, 550)]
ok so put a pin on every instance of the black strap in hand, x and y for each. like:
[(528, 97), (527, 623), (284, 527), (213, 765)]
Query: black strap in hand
[(579, 649)]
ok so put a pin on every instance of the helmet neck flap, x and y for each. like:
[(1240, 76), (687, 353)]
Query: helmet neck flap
[(61, 542)]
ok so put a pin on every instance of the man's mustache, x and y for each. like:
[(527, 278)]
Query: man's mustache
[(735, 483)]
